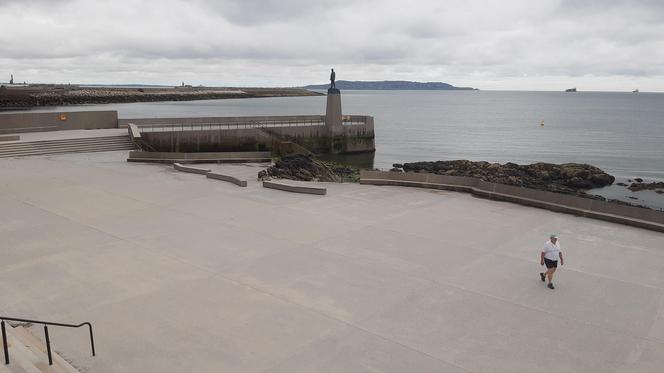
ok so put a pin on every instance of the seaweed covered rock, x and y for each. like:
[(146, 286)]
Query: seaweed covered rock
[(563, 178), (306, 168)]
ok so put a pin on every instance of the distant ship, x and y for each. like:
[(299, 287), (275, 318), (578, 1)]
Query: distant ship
[(570, 90), (635, 91)]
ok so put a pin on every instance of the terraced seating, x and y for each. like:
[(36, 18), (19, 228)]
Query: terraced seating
[(77, 145)]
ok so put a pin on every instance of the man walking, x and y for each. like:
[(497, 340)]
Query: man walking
[(549, 257)]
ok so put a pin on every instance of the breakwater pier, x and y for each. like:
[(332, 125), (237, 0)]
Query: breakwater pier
[(332, 133)]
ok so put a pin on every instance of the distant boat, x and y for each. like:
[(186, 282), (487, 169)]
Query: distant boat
[(635, 91), (570, 90)]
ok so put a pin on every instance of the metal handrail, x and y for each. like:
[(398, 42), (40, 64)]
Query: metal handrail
[(46, 336), (167, 127), (259, 123)]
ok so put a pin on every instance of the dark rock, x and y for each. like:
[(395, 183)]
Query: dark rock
[(621, 184), (306, 168), (395, 169), (630, 197), (568, 178), (397, 165), (636, 187), (638, 180)]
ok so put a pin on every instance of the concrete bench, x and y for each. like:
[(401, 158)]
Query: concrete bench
[(230, 179), (193, 170), (295, 188)]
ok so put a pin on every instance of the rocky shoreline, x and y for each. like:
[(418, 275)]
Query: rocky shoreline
[(17, 98), (568, 178)]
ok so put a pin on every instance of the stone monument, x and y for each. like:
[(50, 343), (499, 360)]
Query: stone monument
[(11, 80), (333, 109)]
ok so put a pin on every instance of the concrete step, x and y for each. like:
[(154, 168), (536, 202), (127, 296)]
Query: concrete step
[(77, 145), (72, 150), (75, 139), (28, 354), (63, 143), (76, 149), (63, 146), (98, 140)]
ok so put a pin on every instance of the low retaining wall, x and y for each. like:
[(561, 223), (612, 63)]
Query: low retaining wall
[(67, 120), (193, 170), (213, 157), (635, 216), (230, 179), (295, 188)]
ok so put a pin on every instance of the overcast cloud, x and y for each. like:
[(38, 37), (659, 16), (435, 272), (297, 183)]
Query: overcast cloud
[(515, 44)]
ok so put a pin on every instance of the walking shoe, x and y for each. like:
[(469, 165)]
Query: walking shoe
[(550, 286), (542, 276)]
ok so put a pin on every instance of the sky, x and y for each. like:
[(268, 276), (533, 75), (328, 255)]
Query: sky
[(593, 45)]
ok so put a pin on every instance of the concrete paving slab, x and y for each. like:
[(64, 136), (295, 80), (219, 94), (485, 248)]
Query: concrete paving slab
[(193, 323), (330, 283), (181, 273), (401, 251), (518, 281), (483, 334), (354, 350), (218, 248), (52, 286)]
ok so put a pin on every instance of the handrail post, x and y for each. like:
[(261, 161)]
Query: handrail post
[(92, 340), (4, 342), (48, 345)]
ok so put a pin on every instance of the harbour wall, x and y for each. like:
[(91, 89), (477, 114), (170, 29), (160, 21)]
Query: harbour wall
[(264, 133), (68, 120), (350, 134)]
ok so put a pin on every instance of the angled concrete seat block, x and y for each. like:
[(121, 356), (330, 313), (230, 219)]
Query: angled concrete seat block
[(230, 179), (193, 170), (295, 188)]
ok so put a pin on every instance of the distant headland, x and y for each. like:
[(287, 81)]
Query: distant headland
[(392, 85)]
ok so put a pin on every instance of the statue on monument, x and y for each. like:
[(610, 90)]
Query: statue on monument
[(332, 79)]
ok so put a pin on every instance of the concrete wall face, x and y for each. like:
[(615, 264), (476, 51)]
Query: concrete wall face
[(74, 120), (315, 138)]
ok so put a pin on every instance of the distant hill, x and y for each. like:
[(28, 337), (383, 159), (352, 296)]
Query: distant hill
[(391, 85)]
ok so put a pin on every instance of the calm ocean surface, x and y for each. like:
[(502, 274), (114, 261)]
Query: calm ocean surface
[(622, 133)]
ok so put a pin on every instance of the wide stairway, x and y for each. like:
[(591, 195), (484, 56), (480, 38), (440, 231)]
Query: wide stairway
[(73, 145), (28, 354)]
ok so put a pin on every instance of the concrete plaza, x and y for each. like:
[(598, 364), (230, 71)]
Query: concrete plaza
[(179, 273)]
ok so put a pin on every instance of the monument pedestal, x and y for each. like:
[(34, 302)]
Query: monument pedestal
[(333, 112)]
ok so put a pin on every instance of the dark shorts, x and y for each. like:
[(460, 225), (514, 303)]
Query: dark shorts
[(550, 263)]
